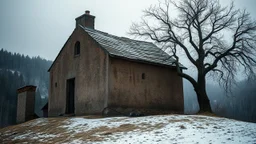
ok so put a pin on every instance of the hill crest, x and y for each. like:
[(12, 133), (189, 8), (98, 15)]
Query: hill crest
[(148, 129)]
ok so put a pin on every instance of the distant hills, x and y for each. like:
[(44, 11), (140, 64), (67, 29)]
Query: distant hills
[(17, 70)]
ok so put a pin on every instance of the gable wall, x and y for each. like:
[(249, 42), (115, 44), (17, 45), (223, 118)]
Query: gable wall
[(90, 72), (162, 88)]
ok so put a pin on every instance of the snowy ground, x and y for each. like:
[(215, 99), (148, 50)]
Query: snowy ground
[(163, 129)]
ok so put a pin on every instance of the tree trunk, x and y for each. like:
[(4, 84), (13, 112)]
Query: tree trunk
[(203, 100)]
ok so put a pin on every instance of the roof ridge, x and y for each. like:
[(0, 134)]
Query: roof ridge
[(120, 37), (129, 48)]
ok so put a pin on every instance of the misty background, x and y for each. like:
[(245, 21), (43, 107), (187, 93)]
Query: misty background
[(40, 28)]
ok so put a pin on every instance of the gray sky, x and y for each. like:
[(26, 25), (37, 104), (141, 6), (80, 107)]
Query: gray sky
[(41, 27)]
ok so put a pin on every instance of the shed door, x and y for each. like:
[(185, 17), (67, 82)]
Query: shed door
[(70, 98)]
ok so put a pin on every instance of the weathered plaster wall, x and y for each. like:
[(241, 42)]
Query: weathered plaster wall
[(25, 106), (161, 88), (90, 72), (21, 107), (30, 105)]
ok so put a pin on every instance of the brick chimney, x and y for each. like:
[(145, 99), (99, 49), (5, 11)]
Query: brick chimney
[(85, 20)]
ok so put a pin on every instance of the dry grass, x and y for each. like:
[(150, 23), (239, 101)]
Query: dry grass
[(208, 114), (93, 117), (149, 127), (118, 119), (53, 127), (178, 120), (100, 133), (159, 125)]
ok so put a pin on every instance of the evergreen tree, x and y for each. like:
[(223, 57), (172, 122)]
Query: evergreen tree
[(16, 71)]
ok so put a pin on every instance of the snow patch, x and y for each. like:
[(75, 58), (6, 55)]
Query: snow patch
[(77, 141), (12, 71), (170, 129), (37, 122), (162, 129), (22, 136), (42, 135)]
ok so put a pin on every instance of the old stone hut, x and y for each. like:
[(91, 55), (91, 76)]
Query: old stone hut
[(95, 70)]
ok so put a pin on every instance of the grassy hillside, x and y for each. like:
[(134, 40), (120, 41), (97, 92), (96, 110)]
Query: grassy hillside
[(149, 129)]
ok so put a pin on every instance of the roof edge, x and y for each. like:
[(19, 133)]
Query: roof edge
[(145, 62), (68, 40), (61, 50), (113, 55), (94, 39)]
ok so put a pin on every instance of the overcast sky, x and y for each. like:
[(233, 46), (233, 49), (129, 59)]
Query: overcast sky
[(41, 27)]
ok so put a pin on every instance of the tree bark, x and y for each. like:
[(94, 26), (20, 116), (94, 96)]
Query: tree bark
[(202, 97)]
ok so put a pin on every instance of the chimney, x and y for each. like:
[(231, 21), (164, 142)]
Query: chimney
[(25, 103), (86, 20)]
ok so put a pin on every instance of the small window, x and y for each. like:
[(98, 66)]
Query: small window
[(143, 76), (77, 48), (56, 84)]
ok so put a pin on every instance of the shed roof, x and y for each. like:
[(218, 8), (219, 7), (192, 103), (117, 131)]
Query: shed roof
[(26, 88)]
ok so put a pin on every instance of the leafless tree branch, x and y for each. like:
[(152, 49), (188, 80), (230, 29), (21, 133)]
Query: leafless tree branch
[(214, 39)]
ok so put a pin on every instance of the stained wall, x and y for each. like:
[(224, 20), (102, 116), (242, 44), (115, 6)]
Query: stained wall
[(90, 72), (139, 85)]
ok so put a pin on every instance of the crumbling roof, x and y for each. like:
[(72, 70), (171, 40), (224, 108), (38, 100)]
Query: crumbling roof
[(130, 49), (26, 88)]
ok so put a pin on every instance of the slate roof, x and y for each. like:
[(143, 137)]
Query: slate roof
[(126, 48), (130, 49)]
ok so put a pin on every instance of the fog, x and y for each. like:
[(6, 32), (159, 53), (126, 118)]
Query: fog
[(240, 104), (42, 27)]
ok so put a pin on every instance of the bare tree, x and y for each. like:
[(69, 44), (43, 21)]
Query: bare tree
[(217, 40)]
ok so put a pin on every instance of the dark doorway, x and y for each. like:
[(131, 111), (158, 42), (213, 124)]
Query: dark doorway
[(70, 99)]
